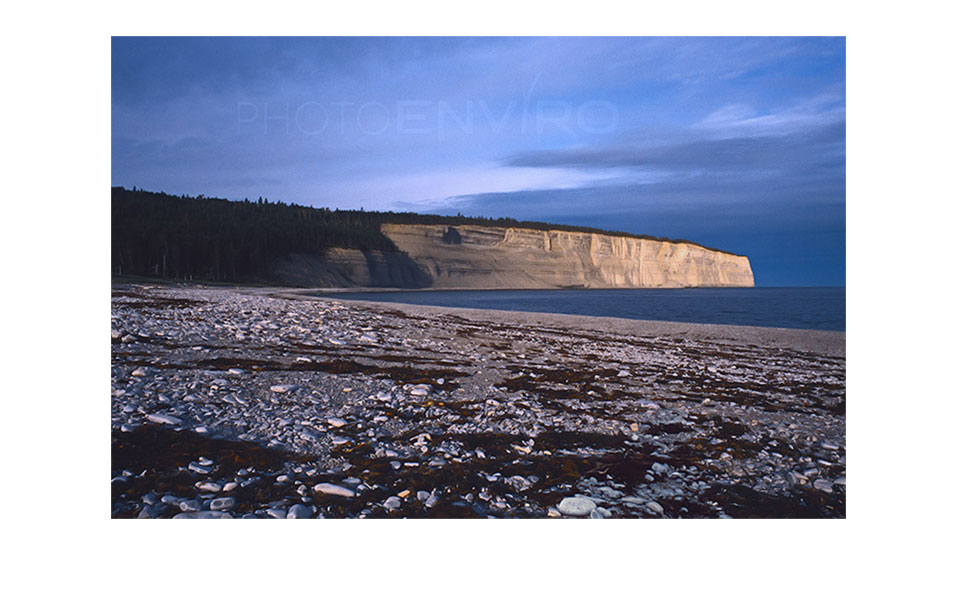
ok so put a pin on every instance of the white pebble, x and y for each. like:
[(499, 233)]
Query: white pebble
[(164, 419), (333, 490)]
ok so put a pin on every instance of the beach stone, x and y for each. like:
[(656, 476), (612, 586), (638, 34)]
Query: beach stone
[(200, 468), (300, 511), (610, 492), (276, 513), (209, 486), (282, 388), (333, 490), (392, 503), (659, 468), (576, 506), (235, 371), (222, 504), (336, 422), (164, 419), (204, 514), (190, 505), (823, 485), (138, 373), (655, 507), (230, 486)]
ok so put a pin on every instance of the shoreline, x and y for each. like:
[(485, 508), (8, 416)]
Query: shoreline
[(308, 293), (830, 342), (268, 403)]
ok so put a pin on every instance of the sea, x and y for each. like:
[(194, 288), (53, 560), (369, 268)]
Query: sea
[(811, 308)]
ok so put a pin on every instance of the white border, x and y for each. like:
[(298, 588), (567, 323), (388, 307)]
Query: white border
[(56, 246)]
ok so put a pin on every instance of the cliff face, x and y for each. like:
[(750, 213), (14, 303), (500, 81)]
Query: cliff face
[(475, 257)]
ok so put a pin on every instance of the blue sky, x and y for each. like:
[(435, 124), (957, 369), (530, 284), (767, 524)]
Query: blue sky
[(736, 143)]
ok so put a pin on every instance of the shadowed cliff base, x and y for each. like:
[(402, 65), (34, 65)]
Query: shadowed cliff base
[(350, 269)]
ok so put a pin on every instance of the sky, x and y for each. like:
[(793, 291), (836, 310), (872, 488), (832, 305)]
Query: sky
[(736, 143)]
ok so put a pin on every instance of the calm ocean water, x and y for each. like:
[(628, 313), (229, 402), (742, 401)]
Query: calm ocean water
[(815, 308)]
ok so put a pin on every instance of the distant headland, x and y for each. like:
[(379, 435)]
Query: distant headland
[(211, 239)]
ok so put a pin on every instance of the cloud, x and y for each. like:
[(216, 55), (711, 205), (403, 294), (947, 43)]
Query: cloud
[(748, 155), (738, 120)]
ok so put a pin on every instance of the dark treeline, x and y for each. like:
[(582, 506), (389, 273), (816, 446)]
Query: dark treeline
[(201, 238), (160, 235)]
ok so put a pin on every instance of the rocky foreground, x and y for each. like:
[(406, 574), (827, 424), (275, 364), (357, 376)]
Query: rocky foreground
[(230, 403)]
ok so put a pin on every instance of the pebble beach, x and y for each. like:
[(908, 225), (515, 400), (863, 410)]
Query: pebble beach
[(273, 403)]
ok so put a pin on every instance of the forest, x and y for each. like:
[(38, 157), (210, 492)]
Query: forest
[(214, 239)]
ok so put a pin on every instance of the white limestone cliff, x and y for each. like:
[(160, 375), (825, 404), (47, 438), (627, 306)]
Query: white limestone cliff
[(478, 257)]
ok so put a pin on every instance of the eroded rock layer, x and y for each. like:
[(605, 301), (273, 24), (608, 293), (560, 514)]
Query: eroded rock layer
[(492, 257)]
